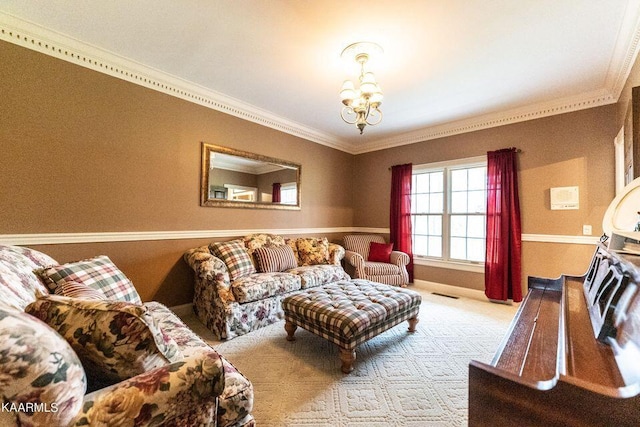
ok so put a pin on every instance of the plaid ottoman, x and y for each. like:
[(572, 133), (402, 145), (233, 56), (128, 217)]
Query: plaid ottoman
[(350, 312)]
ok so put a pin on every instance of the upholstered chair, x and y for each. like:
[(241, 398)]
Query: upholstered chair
[(369, 257)]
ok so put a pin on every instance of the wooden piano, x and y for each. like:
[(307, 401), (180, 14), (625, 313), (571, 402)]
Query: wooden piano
[(572, 354)]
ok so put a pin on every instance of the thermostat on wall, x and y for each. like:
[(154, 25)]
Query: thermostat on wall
[(564, 198)]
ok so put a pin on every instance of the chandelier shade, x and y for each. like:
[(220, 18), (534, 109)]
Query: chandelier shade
[(361, 104)]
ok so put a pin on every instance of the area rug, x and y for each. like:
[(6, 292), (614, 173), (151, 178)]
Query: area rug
[(399, 379)]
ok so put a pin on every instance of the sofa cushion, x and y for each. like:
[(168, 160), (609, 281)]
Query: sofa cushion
[(264, 285), (380, 268), (279, 258), (37, 367), (313, 251), (115, 339), (234, 254), (380, 252), (99, 273), (19, 286), (318, 275)]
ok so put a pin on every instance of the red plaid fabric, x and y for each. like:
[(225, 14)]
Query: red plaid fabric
[(99, 273), (234, 254), (349, 313)]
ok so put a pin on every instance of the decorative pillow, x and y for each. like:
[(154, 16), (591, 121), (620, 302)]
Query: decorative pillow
[(312, 250), (380, 252), (234, 254), (279, 258), (78, 290), (293, 244), (114, 338), (38, 368), (98, 273)]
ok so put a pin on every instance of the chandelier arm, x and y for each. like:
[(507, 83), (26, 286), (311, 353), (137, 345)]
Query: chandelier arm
[(379, 117), (349, 110)]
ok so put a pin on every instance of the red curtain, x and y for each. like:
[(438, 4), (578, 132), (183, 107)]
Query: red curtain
[(504, 234), (400, 214), (275, 193)]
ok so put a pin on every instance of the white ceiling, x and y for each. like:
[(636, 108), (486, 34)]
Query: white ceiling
[(449, 65)]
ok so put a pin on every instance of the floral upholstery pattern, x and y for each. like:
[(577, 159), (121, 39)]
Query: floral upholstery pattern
[(37, 367), (264, 285), (317, 275), (115, 338), (18, 285), (231, 308), (236, 400), (99, 273), (262, 240), (169, 395), (313, 251), (203, 389)]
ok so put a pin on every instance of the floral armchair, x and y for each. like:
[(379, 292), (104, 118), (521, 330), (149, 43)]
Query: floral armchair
[(385, 266), (168, 376)]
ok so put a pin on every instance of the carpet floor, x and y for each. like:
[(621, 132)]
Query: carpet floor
[(400, 379)]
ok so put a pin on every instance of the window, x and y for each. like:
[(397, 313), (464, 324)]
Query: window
[(288, 193), (448, 210)]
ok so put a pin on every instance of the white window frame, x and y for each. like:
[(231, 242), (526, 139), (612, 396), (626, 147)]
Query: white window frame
[(292, 187), (445, 261)]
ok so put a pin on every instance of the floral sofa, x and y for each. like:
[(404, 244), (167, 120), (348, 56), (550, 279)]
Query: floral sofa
[(239, 284), (78, 348)]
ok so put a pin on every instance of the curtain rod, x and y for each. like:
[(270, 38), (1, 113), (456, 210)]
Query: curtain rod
[(518, 150)]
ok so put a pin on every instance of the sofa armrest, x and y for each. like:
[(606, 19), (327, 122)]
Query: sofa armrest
[(399, 258), (210, 271), (336, 253), (158, 396)]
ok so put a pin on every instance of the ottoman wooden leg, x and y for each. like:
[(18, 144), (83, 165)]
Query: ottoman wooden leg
[(291, 329), (412, 324), (347, 357)]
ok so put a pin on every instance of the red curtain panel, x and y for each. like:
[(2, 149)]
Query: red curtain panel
[(275, 193), (400, 214), (504, 233)]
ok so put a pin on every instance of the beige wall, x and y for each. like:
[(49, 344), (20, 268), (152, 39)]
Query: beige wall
[(86, 152), (563, 150)]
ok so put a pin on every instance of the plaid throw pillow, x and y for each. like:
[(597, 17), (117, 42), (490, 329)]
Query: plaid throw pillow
[(98, 273), (279, 258), (234, 254)]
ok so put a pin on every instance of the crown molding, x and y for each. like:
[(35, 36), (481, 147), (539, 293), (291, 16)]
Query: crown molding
[(530, 112), (35, 37)]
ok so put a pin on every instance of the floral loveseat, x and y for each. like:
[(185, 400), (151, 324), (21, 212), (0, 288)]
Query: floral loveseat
[(239, 284), (141, 364)]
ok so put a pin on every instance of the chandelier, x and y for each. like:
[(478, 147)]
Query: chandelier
[(362, 104)]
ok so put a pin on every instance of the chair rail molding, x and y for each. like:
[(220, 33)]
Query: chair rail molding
[(140, 236)]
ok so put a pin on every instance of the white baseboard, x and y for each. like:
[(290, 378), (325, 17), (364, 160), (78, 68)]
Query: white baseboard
[(182, 310), (455, 291)]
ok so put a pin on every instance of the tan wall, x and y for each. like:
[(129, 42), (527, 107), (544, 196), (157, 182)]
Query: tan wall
[(563, 150), (86, 152)]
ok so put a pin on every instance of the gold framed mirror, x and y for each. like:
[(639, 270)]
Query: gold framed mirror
[(239, 179)]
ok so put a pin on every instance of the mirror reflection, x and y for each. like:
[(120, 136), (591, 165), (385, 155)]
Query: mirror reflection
[(235, 178)]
